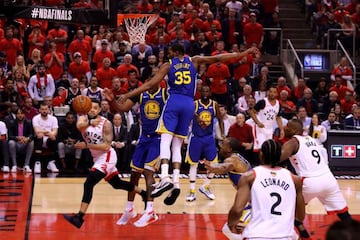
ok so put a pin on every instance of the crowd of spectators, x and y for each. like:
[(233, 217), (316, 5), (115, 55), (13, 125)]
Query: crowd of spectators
[(334, 14), (45, 65)]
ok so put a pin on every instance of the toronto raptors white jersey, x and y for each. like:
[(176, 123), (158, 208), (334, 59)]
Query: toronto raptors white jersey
[(273, 200), (95, 135), (309, 161), (267, 115)]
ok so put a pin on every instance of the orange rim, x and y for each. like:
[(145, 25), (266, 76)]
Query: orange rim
[(121, 17)]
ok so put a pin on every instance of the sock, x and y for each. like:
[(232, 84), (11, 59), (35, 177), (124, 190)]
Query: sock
[(192, 186), (176, 175), (129, 205), (149, 207), (164, 170), (208, 179), (192, 176)]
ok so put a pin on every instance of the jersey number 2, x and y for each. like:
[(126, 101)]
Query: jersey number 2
[(183, 77), (277, 203)]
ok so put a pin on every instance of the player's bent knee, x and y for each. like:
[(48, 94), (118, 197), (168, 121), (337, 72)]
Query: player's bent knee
[(117, 183)]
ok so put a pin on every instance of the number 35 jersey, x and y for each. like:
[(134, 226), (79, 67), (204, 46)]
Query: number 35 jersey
[(273, 197), (182, 77), (309, 161)]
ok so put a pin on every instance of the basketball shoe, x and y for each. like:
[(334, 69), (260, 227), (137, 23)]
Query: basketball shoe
[(14, 169), (127, 215), (206, 191), (27, 169), (191, 196), (146, 219), (173, 195), (75, 220), (164, 185), (37, 167), (52, 167)]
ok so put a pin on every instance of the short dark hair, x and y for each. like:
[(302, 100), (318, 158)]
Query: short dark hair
[(179, 48), (234, 144), (271, 151)]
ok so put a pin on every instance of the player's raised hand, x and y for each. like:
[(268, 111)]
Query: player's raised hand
[(108, 94)]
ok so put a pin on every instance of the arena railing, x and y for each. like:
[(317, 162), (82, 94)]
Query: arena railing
[(341, 30), (340, 49), (293, 57)]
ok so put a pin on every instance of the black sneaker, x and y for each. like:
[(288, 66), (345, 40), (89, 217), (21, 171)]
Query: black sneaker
[(75, 220), (173, 195), (143, 194)]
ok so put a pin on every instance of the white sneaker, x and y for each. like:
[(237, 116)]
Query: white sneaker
[(146, 219), (14, 169), (27, 169), (206, 191), (37, 167), (6, 169), (191, 197), (164, 185), (127, 215), (52, 167)]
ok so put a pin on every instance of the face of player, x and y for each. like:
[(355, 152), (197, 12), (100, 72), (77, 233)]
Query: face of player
[(95, 110), (272, 93), (171, 53), (205, 93), (225, 148)]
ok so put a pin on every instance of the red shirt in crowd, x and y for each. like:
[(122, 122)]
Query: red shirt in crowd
[(54, 34), (243, 133), (81, 46), (105, 76), (100, 55), (55, 69), (11, 47), (77, 70), (219, 72), (253, 33)]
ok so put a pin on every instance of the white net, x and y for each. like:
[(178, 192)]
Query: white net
[(137, 27)]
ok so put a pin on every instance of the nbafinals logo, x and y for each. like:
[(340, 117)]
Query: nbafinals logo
[(344, 151)]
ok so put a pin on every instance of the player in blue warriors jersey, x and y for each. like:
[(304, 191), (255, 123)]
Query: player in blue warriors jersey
[(146, 156), (178, 112), (202, 141), (234, 165)]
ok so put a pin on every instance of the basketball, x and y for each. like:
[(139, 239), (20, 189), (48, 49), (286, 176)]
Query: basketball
[(82, 104)]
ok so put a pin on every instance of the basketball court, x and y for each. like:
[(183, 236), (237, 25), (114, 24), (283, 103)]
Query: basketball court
[(32, 208)]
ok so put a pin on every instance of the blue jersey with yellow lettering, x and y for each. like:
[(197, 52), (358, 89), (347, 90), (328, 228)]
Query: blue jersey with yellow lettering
[(205, 113), (235, 176), (151, 107), (182, 77)]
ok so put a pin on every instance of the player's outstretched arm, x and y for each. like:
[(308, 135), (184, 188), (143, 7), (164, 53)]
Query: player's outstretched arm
[(222, 57), (241, 199), (155, 80), (219, 168)]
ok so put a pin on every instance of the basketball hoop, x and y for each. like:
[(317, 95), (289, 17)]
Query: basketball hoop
[(137, 25)]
